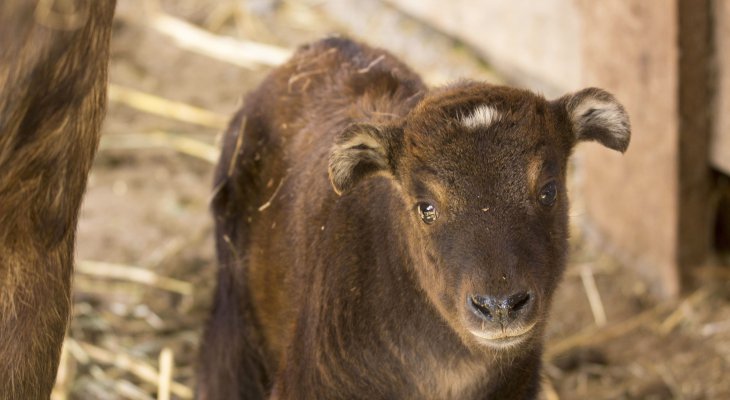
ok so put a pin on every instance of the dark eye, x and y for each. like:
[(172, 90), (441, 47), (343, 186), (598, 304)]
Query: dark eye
[(548, 194), (427, 212)]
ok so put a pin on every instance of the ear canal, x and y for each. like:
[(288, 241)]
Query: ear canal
[(596, 115), (360, 150)]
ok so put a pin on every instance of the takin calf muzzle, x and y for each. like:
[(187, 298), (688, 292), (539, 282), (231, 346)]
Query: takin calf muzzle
[(501, 311)]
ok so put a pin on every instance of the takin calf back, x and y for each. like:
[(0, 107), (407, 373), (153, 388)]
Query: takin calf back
[(380, 240)]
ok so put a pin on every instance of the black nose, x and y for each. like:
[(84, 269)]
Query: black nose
[(502, 310)]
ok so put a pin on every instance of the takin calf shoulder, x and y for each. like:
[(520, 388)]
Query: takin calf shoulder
[(380, 240)]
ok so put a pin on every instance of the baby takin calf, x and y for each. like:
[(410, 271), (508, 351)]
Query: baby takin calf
[(381, 240)]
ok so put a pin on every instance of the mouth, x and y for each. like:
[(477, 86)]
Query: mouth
[(503, 339)]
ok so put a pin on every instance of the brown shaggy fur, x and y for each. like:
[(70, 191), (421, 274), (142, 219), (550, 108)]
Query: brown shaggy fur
[(330, 284), (53, 74)]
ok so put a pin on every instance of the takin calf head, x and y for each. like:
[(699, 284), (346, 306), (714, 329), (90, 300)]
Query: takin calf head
[(481, 170)]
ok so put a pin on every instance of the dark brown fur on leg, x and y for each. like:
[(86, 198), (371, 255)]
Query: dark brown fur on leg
[(53, 75)]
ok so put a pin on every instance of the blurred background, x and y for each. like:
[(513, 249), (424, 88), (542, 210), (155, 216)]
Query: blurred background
[(644, 309)]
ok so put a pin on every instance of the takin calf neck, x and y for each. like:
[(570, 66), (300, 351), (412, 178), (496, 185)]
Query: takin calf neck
[(380, 240)]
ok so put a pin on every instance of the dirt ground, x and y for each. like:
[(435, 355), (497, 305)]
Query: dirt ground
[(145, 253)]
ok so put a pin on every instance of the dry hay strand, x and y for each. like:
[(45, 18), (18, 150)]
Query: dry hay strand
[(132, 365), (129, 390), (179, 143), (681, 313), (548, 390), (246, 54), (64, 376), (272, 197), (594, 335), (156, 105), (594, 296), (166, 367), (133, 274)]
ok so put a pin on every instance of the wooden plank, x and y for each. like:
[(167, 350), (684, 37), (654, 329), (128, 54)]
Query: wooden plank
[(695, 233), (534, 43), (630, 48), (720, 146)]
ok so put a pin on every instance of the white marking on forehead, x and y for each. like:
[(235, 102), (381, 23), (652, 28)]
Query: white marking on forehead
[(482, 116)]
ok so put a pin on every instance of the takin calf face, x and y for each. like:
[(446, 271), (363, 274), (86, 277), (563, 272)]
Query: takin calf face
[(379, 240), (481, 171)]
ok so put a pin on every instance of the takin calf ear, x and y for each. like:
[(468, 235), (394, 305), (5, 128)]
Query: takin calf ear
[(359, 151), (596, 115)]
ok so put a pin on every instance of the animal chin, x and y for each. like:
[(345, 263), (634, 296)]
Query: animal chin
[(503, 339)]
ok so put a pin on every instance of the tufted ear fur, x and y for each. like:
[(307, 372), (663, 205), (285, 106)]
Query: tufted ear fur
[(360, 150), (596, 115)]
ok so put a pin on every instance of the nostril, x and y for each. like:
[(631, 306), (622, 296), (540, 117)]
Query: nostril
[(503, 309), (519, 301), (480, 306)]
